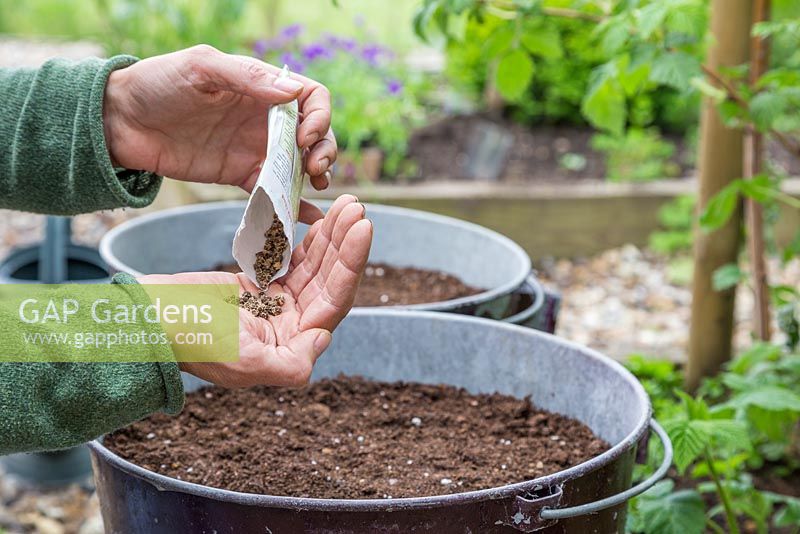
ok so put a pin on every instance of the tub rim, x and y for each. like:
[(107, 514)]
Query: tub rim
[(641, 429), (443, 305)]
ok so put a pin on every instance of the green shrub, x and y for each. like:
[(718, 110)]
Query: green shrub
[(638, 155), (563, 58)]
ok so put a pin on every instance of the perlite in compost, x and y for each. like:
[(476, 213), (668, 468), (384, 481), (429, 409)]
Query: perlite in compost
[(351, 438)]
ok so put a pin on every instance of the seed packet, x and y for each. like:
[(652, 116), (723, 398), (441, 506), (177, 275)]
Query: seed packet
[(264, 240)]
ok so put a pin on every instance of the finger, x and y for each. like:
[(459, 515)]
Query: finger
[(307, 269), (315, 106), (350, 215), (322, 181), (322, 155), (242, 75), (301, 250), (338, 294), (309, 213)]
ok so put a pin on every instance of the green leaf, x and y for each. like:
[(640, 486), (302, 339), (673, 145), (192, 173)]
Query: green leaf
[(500, 41), (422, 19), (650, 17), (604, 104), (768, 397), (542, 41), (514, 74), (757, 353), (688, 440), (675, 69), (720, 207), (760, 188), (679, 512), (789, 515), (727, 276), (728, 433), (766, 107)]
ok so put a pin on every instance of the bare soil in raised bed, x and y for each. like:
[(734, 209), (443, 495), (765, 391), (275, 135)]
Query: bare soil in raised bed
[(386, 285), (354, 438), (441, 151)]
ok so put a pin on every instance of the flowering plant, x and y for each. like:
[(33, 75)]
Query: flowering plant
[(374, 98)]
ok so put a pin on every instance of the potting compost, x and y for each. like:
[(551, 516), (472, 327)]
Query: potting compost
[(350, 437), (386, 285)]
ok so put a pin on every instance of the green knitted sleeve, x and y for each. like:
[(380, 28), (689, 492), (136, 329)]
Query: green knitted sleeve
[(46, 406), (53, 155)]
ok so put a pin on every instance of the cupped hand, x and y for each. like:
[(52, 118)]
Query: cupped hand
[(319, 291), (201, 115)]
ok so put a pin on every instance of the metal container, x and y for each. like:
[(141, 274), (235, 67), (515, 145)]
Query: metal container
[(477, 354), (198, 237)]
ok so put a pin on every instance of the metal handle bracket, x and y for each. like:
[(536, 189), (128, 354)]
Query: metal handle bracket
[(592, 507)]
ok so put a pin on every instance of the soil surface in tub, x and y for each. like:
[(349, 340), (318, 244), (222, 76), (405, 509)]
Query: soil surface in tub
[(385, 285), (350, 438)]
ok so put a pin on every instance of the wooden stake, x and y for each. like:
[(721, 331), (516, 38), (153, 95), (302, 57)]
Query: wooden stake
[(720, 162), (753, 165)]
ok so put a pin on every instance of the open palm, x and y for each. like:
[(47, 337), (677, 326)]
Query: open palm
[(319, 291)]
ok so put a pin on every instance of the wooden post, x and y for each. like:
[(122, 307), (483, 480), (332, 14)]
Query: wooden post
[(720, 162), (753, 163)]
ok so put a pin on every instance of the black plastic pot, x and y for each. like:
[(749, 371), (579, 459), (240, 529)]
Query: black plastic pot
[(477, 354)]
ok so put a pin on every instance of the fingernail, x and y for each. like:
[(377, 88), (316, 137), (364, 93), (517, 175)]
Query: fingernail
[(322, 341), (287, 85), (311, 138), (324, 163)]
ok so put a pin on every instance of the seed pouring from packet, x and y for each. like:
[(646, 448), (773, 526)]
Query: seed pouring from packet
[(264, 240)]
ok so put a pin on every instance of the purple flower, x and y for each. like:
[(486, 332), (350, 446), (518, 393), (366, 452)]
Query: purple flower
[(293, 63), (394, 87), (339, 43), (260, 47), (371, 54), (315, 51), (292, 31), (348, 45)]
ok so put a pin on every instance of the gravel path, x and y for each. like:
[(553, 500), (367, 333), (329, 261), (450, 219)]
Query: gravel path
[(623, 302)]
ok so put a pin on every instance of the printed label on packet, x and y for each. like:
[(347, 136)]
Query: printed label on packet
[(277, 191)]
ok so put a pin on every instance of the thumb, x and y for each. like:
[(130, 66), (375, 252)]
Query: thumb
[(247, 76), (310, 344)]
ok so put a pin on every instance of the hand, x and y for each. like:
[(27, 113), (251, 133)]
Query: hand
[(201, 115), (319, 290)]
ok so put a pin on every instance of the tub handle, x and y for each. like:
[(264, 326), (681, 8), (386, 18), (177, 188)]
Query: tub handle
[(550, 514), (532, 285)]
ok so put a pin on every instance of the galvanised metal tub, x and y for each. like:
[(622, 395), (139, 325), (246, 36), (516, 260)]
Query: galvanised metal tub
[(198, 237), (477, 354)]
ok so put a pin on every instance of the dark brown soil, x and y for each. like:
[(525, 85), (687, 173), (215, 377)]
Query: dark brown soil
[(385, 285), (353, 438), (441, 151)]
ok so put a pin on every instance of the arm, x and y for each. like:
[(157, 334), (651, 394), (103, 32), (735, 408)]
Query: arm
[(47, 406), (54, 158)]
